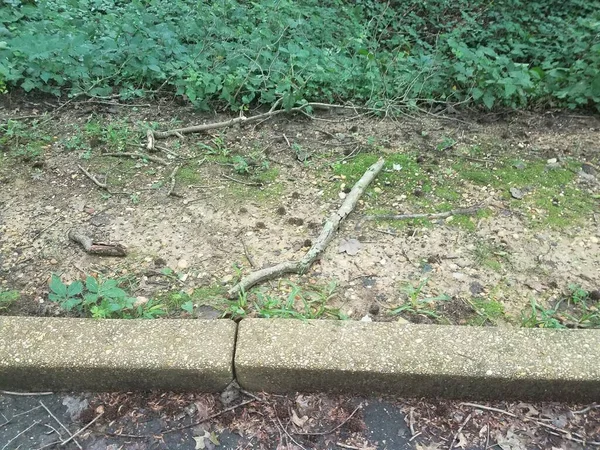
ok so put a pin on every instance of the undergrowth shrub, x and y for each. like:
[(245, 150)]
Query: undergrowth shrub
[(235, 54)]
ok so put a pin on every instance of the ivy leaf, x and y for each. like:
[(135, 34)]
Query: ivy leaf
[(188, 307), (75, 288), (57, 286)]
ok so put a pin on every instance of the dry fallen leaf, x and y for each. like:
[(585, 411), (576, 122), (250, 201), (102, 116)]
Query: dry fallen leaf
[(299, 422), (350, 246)]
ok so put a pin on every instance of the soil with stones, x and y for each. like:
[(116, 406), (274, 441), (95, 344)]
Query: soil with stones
[(252, 196)]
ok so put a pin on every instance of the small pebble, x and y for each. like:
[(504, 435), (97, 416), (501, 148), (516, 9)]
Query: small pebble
[(182, 264), (594, 240)]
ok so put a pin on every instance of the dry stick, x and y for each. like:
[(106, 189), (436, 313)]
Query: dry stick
[(287, 433), (21, 433), (175, 170), (199, 422), (156, 159), (565, 433), (321, 242), (150, 137), (247, 254), (66, 441), (96, 248), (242, 119), (324, 433), (587, 409), (459, 431), (454, 212), (61, 424), (39, 233), (25, 394), (94, 179)]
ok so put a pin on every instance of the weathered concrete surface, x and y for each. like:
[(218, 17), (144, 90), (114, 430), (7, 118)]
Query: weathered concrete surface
[(418, 360), (86, 354)]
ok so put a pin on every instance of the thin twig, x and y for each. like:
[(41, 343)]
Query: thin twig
[(39, 233), (248, 255), (66, 441), (93, 178), (240, 181), (155, 159), (288, 434), (21, 433), (25, 394), (47, 425), (411, 419), (323, 433), (459, 431), (460, 211), (588, 409), (172, 187), (489, 408), (199, 422), (287, 140), (61, 424), (565, 433)]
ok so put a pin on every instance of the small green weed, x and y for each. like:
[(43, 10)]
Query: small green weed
[(416, 304), (488, 311), (101, 299), (490, 255), (540, 317), (300, 303), (8, 298), (573, 310)]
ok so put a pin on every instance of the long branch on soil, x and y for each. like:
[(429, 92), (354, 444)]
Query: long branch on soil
[(321, 242), (94, 179), (155, 159), (242, 119), (455, 212)]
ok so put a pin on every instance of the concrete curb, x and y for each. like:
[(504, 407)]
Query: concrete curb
[(95, 355), (418, 360), (281, 355)]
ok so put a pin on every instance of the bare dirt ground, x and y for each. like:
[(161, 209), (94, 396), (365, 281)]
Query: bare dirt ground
[(260, 193)]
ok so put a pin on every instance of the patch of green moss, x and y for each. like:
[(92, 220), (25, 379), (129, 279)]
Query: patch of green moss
[(188, 175), (550, 195)]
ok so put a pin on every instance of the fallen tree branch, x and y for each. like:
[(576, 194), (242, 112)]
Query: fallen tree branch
[(455, 212), (153, 135), (172, 187), (97, 248), (321, 242), (156, 159), (94, 179)]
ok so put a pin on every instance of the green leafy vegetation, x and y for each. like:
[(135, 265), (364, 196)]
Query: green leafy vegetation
[(8, 298), (417, 304), (515, 53), (101, 299), (573, 310), (488, 311), (300, 303)]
